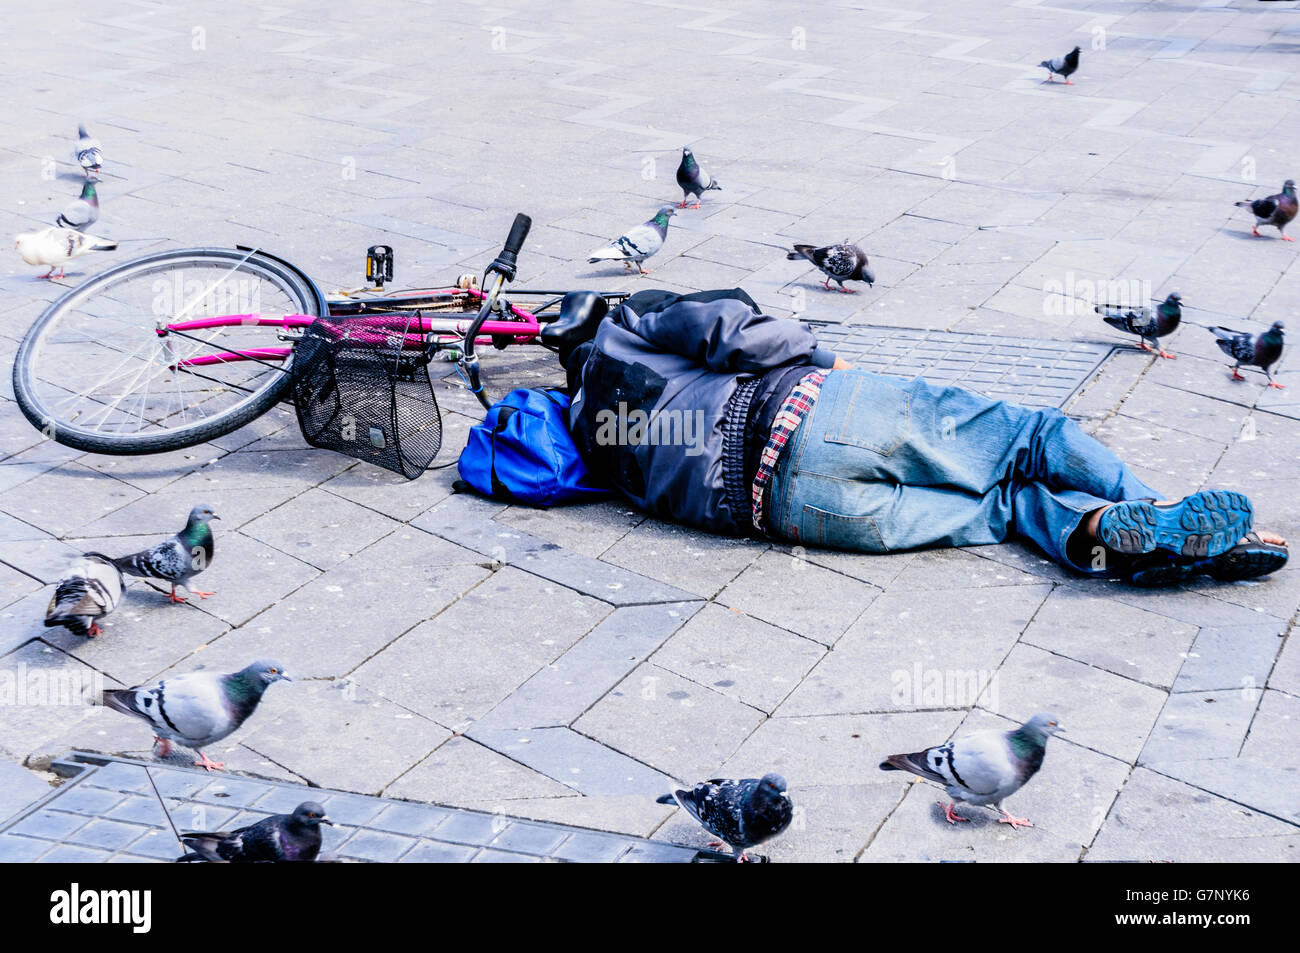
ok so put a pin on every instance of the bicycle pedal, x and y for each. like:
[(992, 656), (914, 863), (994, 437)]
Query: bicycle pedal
[(379, 264)]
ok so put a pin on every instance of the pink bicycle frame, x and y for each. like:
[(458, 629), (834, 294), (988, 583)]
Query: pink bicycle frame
[(383, 325)]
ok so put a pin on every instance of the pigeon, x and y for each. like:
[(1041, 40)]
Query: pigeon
[(1062, 66), (1148, 325), (740, 813), (91, 590), (89, 153), (55, 246), (985, 767), (694, 180), (81, 212), (638, 244), (180, 558), (1245, 348), (199, 708), (280, 838), (843, 262), (1275, 210)]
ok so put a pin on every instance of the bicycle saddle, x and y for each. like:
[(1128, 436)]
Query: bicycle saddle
[(580, 314)]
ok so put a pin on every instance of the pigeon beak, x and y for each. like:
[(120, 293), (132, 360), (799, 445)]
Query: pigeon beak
[(326, 820)]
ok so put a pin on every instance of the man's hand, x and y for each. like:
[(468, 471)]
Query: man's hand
[(841, 365)]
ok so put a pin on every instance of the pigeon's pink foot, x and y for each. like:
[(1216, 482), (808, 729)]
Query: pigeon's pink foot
[(716, 843), (949, 811), (1015, 822), (682, 204), (847, 291), (1167, 356), (1069, 82), (172, 597), (208, 765), (1255, 232), (94, 630), (742, 859), (1287, 238), (827, 284), (162, 747), (1236, 377), (201, 594), (1277, 385), (698, 205)]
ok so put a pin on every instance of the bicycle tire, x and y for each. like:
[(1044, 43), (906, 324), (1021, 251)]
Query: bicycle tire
[(296, 287)]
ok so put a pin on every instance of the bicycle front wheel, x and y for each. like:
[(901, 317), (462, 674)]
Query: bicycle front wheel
[(94, 373)]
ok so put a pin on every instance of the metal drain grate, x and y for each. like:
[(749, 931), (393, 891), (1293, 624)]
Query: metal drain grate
[(108, 811), (1028, 371)]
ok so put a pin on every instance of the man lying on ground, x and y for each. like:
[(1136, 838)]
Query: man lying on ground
[(741, 424)]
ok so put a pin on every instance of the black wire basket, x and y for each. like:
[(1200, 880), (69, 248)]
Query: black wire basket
[(362, 388)]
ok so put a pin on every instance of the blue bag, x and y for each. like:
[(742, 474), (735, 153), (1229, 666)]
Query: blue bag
[(523, 452)]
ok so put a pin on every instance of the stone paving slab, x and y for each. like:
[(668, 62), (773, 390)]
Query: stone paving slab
[(109, 812)]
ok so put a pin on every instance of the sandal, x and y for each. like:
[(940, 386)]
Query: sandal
[(1202, 525), (1249, 559)]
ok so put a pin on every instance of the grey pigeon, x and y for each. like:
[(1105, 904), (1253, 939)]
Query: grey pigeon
[(1146, 324), (180, 558), (694, 180), (739, 813), (1245, 348), (91, 590), (1062, 66), (278, 839), (843, 262), (638, 244), (985, 767), (1276, 210), (81, 212), (89, 153), (199, 708), (57, 246)]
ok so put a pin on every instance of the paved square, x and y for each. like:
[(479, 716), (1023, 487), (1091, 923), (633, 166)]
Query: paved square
[(564, 665)]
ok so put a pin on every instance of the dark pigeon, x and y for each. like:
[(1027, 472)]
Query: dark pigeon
[(82, 212), (1146, 324), (843, 262), (180, 558), (694, 180), (278, 839), (90, 591), (1245, 348), (1276, 210), (1062, 66), (199, 708), (984, 767), (740, 813)]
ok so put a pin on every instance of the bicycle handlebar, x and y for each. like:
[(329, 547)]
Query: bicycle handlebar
[(506, 261)]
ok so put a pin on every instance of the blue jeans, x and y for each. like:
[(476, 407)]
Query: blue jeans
[(882, 464)]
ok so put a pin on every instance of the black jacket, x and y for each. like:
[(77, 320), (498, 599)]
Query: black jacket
[(673, 393)]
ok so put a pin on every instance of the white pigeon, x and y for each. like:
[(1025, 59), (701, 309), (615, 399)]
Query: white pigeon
[(91, 590), (984, 767), (638, 244), (56, 246), (199, 708), (88, 152)]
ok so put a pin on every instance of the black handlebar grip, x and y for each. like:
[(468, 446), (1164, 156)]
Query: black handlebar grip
[(506, 261)]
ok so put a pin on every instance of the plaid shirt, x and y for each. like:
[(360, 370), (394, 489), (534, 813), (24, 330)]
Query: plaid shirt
[(793, 411)]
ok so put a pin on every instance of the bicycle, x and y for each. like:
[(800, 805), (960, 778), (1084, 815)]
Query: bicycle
[(184, 346)]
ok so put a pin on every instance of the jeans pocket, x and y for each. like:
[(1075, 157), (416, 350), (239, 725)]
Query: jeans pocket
[(824, 528), (876, 415)]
